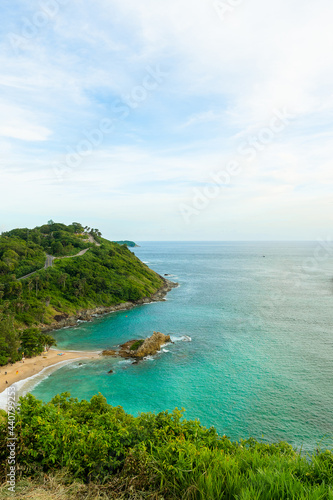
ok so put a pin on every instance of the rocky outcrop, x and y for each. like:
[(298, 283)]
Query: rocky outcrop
[(109, 352), (151, 345), (64, 320), (139, 349), (61, 317), (161, 293)]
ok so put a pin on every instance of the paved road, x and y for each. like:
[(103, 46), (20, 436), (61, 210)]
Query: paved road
[(50, 259), (27, 275), (71, 256)]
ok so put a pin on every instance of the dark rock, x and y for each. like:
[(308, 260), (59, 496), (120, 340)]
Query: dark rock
[(109, 352), (149, 346), (152, 345), (111, 371), (125, 349), (60, 317)]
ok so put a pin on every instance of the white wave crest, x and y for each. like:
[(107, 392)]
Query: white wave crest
[(22, 387), (149, 358), (183, 338), (125, 362)]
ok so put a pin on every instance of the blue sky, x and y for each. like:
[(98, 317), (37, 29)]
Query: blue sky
[(127, 116)]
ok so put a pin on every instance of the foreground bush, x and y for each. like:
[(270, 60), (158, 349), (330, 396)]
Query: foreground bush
[(157, 456)]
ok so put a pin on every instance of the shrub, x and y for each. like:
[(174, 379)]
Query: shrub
[(164, 454), (136, 345)]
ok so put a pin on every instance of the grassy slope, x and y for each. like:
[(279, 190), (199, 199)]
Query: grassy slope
[(153, 456)]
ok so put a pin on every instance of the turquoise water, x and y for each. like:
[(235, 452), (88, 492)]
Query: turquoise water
[(259, 362)]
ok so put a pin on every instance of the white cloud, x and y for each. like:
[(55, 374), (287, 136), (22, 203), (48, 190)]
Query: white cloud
[(25, 132), (205, 117), (19, 123), (225, 80)]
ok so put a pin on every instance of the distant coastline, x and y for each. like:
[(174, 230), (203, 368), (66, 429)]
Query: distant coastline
[(128, 243)]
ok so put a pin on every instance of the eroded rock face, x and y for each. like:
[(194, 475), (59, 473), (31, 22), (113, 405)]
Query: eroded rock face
[(62, 320), (151, 345), (138, 349), (109, 352)]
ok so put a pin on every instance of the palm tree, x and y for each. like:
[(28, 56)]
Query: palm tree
[(36, 281)]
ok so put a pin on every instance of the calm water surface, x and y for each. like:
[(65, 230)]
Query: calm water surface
[(259, 362)]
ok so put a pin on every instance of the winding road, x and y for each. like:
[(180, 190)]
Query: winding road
[(50, 259), (48, 262)]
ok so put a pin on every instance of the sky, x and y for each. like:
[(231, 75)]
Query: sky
[(168, 120)]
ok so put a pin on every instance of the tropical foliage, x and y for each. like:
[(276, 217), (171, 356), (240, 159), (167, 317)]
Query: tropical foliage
[(158, 456), (107, 274)]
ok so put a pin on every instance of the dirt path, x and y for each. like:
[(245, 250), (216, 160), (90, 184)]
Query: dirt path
[(92, 240)]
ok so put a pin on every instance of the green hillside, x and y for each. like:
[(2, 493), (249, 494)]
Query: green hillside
[(107, 274)]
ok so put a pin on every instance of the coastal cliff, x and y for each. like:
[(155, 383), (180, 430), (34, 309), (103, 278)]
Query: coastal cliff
[(65, 320), (54, 275)]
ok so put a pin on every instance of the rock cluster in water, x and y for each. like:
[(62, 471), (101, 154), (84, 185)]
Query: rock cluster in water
[(140, 348)]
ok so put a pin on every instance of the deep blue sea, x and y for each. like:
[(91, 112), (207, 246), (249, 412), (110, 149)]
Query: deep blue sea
[(253, 347)]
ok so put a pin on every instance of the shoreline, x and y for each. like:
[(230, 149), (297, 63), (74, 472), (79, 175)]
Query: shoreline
[(19, 371), (64, 320)]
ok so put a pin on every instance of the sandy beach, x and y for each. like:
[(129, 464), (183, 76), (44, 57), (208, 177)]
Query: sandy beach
[(16, 372)]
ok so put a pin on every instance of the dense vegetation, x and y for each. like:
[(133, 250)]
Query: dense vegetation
[(136, 345), (156, 456), (24, 250), (107, 274)]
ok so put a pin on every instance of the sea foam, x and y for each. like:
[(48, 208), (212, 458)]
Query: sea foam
[(22, 387), (183, 338)]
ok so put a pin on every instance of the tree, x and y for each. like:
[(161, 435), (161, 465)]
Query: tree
[(62, 280), (33, 342), (57, 248), (48, 341), (36, 281), (9, 340), (14, 289), (78, 228)]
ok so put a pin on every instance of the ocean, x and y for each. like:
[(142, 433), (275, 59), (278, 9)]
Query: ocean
[(252, 354)]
